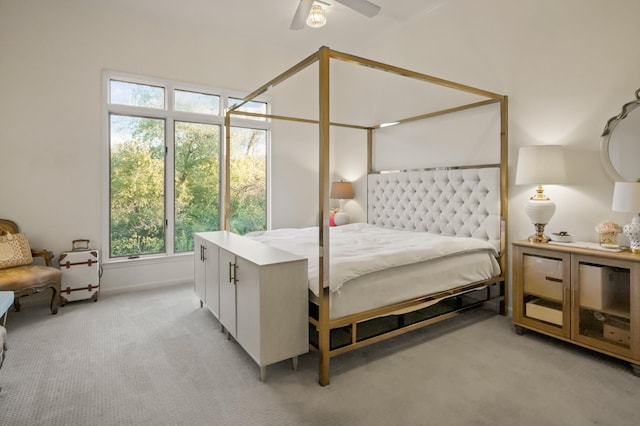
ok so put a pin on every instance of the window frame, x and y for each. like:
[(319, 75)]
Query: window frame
[(170, 116)]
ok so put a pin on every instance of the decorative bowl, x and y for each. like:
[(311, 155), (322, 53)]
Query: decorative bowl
[(561, 237)]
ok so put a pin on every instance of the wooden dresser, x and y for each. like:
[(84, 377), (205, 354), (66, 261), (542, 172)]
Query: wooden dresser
[(581, 295)]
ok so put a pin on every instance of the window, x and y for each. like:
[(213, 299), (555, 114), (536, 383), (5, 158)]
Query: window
[(251, 106), (136, 185), (165, 164), (197, 181), (248, 205), (197, 102), (140, 95)]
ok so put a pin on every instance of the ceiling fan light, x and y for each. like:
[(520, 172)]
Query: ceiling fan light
[(316, 17)]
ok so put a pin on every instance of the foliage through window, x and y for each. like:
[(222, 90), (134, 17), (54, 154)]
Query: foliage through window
[(137, 188), (248, 209), (165, 162)]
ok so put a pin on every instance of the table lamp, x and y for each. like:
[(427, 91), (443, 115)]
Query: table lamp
[(626, 198), (343, 191), (540, 164)]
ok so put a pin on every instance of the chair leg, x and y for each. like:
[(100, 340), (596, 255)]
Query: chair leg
[(55, 297), (55, 301)]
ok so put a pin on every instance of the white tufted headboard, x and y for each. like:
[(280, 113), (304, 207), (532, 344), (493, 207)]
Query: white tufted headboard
[(456, 202)]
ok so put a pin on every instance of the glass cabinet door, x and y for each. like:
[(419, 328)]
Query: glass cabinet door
[(602, 311), (544, 291)]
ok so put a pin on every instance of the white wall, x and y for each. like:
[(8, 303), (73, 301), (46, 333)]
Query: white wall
[(52, 57), (566, 66)]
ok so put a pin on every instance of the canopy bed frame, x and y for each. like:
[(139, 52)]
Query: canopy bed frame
[(334, 336)]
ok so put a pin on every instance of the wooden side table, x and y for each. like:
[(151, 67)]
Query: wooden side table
[(581, 295)]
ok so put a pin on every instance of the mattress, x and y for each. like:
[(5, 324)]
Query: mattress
[(410, 281), (372, 266)]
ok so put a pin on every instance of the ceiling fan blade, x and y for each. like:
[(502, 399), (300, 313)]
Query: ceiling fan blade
[(363, 6), (302, 12)]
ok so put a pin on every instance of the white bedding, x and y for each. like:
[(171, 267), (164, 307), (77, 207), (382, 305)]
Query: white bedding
[(407, 282), (359, 249)]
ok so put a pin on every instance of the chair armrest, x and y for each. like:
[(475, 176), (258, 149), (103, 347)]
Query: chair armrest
[(46, 254)]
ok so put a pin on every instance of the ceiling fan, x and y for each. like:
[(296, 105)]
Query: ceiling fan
[(304, 7)]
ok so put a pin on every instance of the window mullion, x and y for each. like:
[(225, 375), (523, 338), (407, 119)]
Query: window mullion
[(170, 205)]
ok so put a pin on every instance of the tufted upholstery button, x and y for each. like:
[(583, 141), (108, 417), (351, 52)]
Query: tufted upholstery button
[(462, 202)]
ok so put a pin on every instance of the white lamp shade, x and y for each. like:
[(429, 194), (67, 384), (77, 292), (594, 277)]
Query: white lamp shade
[(541, 164), (626, 197)]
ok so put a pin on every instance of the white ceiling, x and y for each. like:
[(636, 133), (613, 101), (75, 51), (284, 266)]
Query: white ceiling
[(266, 22)]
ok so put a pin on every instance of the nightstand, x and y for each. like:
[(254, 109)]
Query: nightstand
[(584, 296)]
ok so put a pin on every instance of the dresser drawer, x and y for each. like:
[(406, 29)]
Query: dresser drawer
[(542, 277), (544, 311)]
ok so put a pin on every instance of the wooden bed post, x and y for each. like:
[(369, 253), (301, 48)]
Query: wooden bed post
[(324, 342), (504, 161), (369, 151)]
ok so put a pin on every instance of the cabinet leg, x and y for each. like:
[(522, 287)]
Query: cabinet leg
[(295, 363), (263, 374), (635, 368), (519, 330)]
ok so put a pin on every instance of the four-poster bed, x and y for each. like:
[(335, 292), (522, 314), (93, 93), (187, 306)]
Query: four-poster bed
[(470, 204)]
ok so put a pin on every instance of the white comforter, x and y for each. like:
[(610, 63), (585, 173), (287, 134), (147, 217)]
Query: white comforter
[(359, 248)]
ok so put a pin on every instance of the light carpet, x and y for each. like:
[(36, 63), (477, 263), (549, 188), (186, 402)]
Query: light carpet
[(154, 357)]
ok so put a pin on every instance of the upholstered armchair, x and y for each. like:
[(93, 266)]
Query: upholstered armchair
[(29, 279)]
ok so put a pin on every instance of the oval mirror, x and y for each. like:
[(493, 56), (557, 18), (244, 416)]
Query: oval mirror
[(620, 145)]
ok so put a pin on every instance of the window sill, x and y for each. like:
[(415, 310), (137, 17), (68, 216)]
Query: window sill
[(146, 260)]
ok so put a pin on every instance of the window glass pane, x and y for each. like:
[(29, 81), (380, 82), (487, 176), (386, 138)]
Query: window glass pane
[(252, 106), (248, 180), (142, 95), (197, 102), (137, 217), (197, 175)]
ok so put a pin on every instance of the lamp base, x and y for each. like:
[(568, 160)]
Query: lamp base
[(539, 236), (341, 218), (540, 209), (632, 231)]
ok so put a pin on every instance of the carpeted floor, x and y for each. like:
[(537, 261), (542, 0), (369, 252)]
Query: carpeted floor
[(154, 357)]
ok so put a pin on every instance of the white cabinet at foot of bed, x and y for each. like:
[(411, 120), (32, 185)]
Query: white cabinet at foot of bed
[(259, 294), (206, 274)]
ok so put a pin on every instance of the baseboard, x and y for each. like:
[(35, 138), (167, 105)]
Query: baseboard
[(44, 297), (144, 286)]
